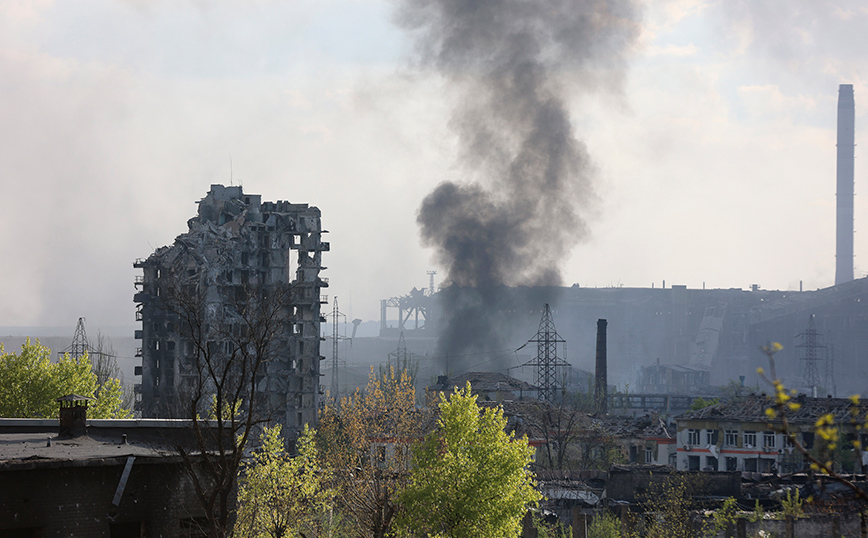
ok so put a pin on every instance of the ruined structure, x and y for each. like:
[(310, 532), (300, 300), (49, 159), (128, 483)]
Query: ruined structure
[(738, 435), (236, 246)]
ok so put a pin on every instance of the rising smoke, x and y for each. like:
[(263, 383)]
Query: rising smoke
[(517, 214)]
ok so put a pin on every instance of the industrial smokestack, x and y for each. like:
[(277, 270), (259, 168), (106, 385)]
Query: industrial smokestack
[(846, 144), (601, 382)]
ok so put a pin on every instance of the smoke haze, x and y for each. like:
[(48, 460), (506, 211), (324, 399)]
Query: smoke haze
[(115, 117), (518, 213)]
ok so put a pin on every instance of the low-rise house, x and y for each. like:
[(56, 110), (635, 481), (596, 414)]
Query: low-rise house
[(739, 436), (645, 440)]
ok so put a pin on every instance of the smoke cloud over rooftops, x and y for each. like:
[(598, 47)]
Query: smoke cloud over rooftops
[(516, 217)]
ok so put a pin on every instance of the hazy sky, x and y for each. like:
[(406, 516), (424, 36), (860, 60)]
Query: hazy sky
[(715, 160)]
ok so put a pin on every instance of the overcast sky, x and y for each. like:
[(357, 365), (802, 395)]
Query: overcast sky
[(715, 160)]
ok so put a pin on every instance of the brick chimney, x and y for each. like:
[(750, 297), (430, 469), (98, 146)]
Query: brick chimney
[(73, 415), (601, 383)]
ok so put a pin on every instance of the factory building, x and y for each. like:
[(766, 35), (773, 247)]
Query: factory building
[(237, 245), (674, 339)]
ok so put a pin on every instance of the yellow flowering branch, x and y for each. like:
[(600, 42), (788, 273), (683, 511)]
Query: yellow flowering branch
[(824, 426)]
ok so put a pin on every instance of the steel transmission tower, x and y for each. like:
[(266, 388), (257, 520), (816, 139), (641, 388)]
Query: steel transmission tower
[(811, 344), (335, 339), (547, 361), (431, 282), (79, 345), (402, 359)]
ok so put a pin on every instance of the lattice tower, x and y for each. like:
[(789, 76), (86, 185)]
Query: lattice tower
[(336, 314), (811, 346), (547, 361)]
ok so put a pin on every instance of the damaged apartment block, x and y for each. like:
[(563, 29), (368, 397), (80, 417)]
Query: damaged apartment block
[(236, 247)]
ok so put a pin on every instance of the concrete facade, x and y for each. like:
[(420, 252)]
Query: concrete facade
[(739, 436), (121, 479), (234, 244)]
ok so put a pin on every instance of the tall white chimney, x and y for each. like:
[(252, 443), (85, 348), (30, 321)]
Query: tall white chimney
[(846, 144)]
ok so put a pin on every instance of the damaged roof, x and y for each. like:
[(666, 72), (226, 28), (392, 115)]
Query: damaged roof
[(752, 408), (485, 382)]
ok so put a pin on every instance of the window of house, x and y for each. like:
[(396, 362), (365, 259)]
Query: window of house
[(711, 437), (730, 438), (769, 439), (649, 455), (808, 440), (710, 463), (692, 463), (732, 464), (693, 437), (749, 439)]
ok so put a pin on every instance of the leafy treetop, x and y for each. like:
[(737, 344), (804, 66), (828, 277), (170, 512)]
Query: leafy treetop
[(31, 383), (469, 477)]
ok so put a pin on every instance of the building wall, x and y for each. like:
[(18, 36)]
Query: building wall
[(672, 324), (234, 244), (636, 484), (158, 501), (769, 450)]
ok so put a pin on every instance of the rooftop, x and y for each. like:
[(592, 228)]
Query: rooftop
[(485, 382), (752, 408), (31, 443)]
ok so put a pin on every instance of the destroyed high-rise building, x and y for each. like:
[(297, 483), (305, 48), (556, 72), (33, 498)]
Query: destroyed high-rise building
[(236, 246)]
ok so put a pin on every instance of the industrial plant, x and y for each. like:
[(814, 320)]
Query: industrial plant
[(666, 339)]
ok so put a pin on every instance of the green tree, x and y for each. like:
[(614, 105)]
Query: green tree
[(31, 383), (702, 403), (605, 525), (469, 477), (365, 438), (283, 496), (670, 507)]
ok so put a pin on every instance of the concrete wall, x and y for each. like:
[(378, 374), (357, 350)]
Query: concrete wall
[(631, 486), (158, 501)]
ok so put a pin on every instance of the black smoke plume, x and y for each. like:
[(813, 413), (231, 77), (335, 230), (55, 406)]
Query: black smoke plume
[(518, 213)]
